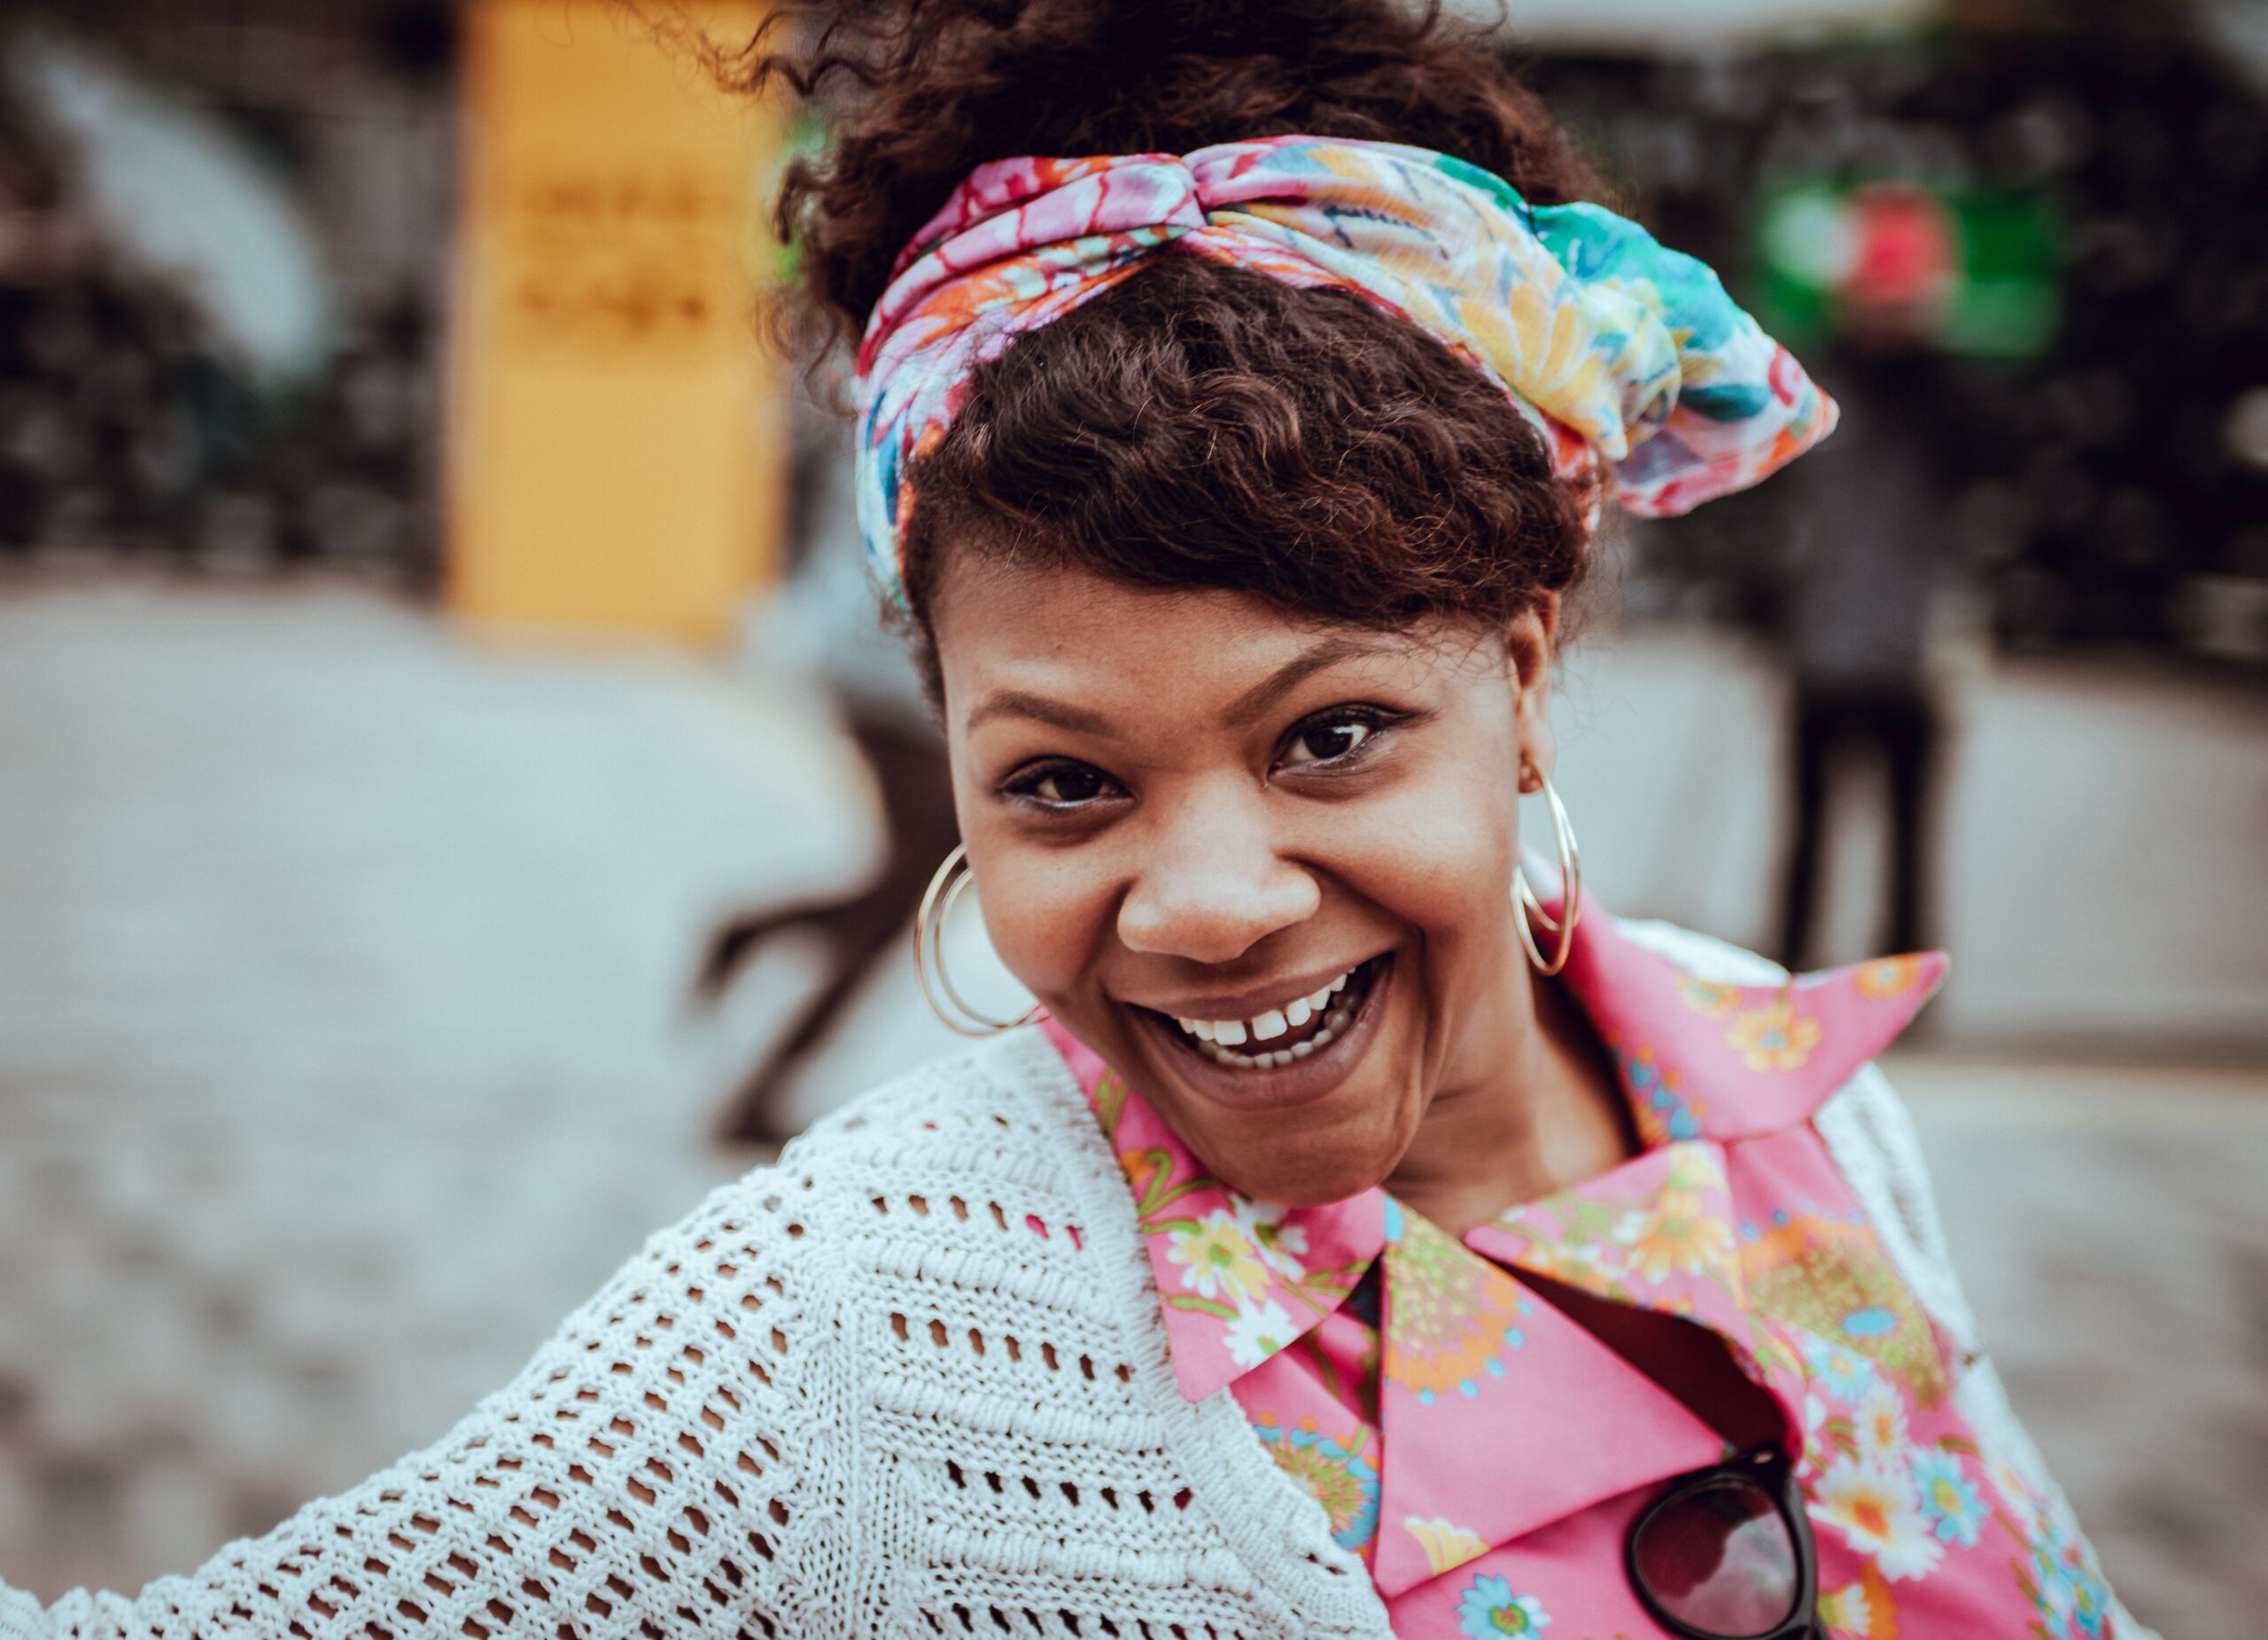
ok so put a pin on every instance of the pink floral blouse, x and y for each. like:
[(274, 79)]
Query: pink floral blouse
[(1486, 1455)]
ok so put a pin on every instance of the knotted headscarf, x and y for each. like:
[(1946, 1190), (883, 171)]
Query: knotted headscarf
[(1646, 381)]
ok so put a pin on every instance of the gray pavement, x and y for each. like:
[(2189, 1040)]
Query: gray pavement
[(342, 1045)]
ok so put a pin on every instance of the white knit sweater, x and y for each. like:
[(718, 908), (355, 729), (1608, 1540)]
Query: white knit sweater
[(859, 1393)]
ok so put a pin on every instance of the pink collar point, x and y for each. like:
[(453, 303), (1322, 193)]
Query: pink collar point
[(1704, 1059)]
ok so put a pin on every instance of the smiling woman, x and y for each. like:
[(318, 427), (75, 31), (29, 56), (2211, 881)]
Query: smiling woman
[(1309, 809), (1373, 1238)]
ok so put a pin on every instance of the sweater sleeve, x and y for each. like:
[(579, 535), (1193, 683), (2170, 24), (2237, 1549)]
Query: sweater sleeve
[(640, 1478)]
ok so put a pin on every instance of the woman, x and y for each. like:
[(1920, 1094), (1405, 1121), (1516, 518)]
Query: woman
[(1374, 1237)]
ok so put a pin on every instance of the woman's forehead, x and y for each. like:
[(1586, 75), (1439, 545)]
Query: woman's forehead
[(1005, 631), (1008, 625)]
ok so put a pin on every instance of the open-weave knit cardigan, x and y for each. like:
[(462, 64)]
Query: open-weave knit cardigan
[(911, 1380)]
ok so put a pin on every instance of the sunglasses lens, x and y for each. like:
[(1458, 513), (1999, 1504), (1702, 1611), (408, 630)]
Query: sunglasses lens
[(1720, 1560)]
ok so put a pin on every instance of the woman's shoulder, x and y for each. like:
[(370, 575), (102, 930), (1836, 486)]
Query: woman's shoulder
[(972, 1109), (999, 1133), (967, 1168), (972, 1201)]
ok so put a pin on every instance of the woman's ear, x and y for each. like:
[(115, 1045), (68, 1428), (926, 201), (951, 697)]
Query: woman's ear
[(1529, 649)]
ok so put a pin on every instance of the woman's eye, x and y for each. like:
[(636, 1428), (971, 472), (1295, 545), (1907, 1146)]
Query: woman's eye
[(1062, 785), (1329, 740)]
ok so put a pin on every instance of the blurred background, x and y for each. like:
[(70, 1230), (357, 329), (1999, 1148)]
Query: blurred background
[(457, 803)]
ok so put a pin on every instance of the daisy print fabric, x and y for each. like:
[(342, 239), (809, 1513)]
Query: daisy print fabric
[(1484, 1455), (1645, 381)]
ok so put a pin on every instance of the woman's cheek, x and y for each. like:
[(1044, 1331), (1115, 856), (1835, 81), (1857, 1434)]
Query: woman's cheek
[(1441, 859), (1043, 919)]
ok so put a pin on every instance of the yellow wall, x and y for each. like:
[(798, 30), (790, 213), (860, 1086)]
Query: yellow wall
[(616, 455)]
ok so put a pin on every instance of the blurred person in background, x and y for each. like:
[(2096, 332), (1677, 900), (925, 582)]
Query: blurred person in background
[(1865, 593), (824, 623), (1373, 1234)]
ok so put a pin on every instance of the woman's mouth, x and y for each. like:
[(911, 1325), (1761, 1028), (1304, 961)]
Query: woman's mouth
[(1296, 1050), (1274, 1037)]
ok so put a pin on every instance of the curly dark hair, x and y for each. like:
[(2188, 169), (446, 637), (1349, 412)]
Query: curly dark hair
[(1198, 425)]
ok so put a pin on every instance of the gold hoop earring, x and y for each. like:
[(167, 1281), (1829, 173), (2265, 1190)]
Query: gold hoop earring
[(945, 888), (1528, 910)]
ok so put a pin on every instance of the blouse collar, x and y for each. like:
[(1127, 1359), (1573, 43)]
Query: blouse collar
[(1698, 1060)]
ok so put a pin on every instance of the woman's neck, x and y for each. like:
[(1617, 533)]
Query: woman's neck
[(1546, 1114)]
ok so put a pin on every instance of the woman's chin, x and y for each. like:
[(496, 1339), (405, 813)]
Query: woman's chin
[(1287, 1136)]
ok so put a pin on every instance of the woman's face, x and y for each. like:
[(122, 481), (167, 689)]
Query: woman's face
[(1263, 867)]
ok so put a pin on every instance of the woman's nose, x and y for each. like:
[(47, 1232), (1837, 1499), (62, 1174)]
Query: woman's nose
[(1213, 885)]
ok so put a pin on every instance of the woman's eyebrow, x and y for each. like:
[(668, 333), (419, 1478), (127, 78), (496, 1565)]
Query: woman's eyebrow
[(1039, 708), (1330, 652), (1243, 710)]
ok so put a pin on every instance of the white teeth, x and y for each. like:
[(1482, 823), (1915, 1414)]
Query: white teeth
[(1281, 1057), (1219, 1035)]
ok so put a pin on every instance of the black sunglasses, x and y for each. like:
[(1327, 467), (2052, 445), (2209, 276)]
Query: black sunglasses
[(1726, 1553)]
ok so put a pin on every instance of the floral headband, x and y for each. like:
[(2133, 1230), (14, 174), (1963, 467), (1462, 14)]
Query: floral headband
[(1645, 379)]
